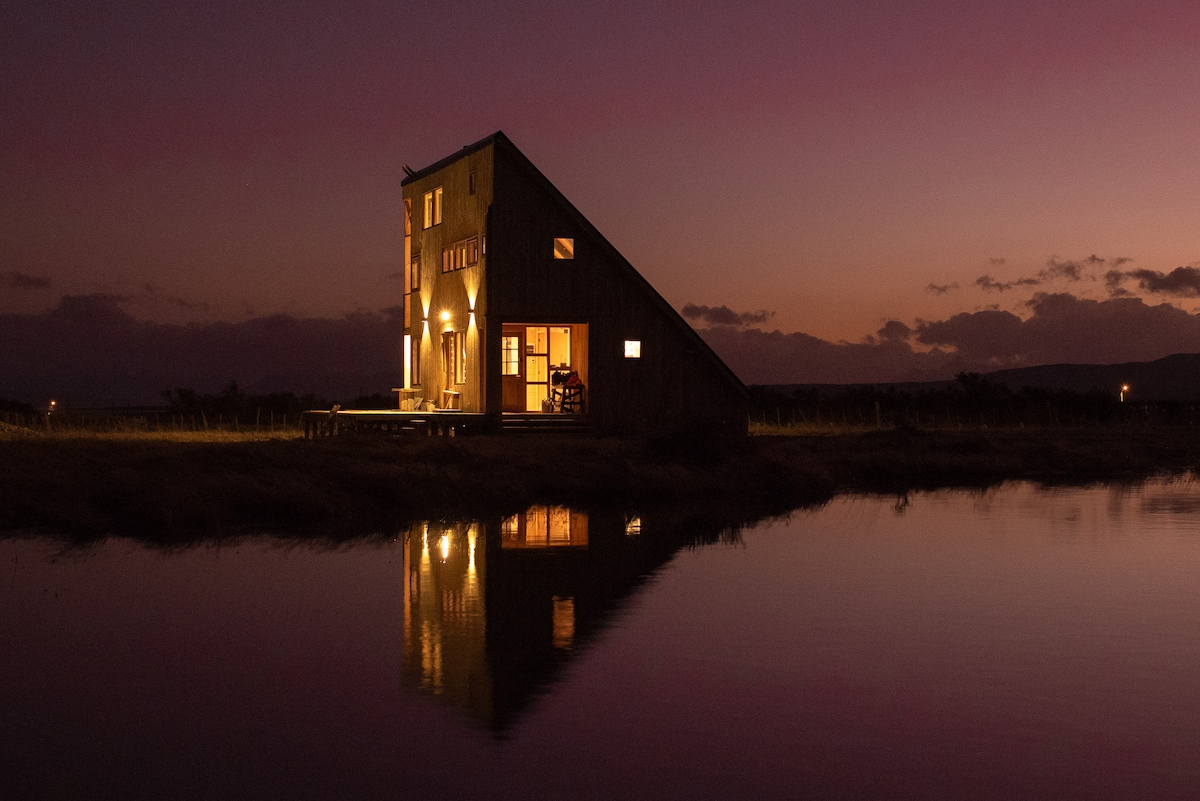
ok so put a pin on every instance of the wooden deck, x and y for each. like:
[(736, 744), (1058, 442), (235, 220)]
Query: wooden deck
[(325, 423), (444, 422)]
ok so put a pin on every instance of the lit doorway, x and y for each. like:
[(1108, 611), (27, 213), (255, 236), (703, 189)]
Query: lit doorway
[(533, 356)]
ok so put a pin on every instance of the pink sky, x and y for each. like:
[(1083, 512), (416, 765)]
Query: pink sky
[(823, 161)]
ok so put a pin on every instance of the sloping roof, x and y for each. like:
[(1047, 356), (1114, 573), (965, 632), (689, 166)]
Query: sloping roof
[(453, 157), (502, 141)]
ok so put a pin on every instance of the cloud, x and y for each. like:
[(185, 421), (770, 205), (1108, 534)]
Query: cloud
[(987, 283), (89, 350), (1182, 282), (1055, 270), (18, 280), (941, 289), (723, 315), (1057, 328)]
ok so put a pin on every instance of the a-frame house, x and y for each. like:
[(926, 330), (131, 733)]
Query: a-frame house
[(516, 305)]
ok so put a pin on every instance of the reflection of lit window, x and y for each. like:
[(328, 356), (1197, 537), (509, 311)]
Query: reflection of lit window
[(564, 248), (633, 526), (444, 543), (510, 360), (536, 525), (558, 528), (510, 529), (564, 622), (633, 349)]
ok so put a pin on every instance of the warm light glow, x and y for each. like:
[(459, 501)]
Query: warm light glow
[(445, 546), (471, 537), (633, 526), (445, 317), (633, 349)]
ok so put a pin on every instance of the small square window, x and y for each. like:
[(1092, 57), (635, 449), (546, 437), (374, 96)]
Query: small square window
[(564, 248), (633, 349)]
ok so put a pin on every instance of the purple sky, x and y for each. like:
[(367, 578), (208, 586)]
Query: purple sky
[(840, 164)]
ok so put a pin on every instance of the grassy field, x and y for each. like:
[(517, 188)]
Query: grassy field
[(173, 486)]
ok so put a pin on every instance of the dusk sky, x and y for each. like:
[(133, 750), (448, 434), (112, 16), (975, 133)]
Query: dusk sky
[(837, 165)]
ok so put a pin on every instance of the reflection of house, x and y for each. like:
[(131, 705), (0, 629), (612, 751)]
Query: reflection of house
[(493, 611), (509, 291)]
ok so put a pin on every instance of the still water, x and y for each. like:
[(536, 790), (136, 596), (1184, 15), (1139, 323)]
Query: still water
[(1020, 643)]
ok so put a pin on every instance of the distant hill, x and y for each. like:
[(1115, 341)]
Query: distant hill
[(1173, 378)]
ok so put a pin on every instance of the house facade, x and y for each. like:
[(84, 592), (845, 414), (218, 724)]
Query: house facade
[(515, 304)]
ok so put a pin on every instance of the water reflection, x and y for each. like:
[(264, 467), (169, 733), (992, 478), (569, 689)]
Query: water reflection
[(493, 610)]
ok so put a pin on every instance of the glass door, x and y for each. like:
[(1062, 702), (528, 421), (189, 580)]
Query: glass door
[(537, 367)]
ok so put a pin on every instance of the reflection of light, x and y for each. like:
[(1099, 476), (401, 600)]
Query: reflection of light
[(425, 544), (445, 543), (471, 535)]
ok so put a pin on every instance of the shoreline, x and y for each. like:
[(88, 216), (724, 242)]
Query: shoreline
[(87, 488)]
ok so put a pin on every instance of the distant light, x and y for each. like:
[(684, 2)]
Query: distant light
[(1124, 387), (445, 317)]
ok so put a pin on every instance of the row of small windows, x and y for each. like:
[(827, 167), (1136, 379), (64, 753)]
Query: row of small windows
[(433, 203), (463, 253)]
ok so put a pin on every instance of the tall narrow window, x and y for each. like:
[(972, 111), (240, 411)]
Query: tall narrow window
[(564, 248), (471, 183), (433, 208), (408, 382), (472, 251), (510, 356), (415, 267), (416, 361), (449, 358), (407, 267), (460, 365)]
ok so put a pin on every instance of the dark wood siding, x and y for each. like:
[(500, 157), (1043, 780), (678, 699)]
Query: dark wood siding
[(676, 383)]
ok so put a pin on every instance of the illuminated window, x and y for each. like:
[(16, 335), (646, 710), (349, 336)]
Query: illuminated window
[(564, 248), (633, 526), (633, 349), (449, 357), (510, 358), (463, 253), (460, 345), (560, 347), (415, 274), (433, 208), (407, 361), (416, 361)]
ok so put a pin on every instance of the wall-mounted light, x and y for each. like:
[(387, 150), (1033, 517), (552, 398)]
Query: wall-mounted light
[(445, 317)]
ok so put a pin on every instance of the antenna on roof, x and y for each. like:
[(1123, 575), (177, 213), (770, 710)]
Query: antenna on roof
[(407, 169)]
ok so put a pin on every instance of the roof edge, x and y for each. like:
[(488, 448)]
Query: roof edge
[(453, 157), (682, 324)]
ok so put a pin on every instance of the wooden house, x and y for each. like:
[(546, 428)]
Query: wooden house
[(516, 305)]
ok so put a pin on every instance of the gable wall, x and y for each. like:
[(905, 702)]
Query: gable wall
[(674, 384)]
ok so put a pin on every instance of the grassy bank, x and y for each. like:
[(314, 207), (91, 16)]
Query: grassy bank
[(175, 488)]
